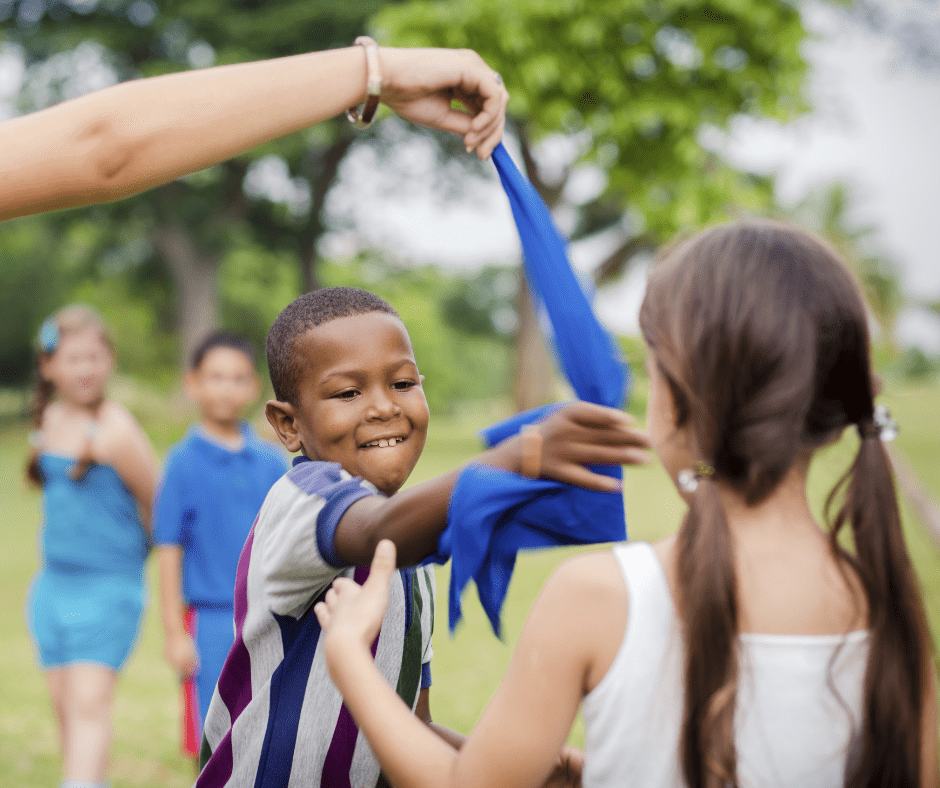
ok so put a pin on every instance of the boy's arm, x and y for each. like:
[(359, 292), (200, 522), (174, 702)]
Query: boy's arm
[(179, 649), (423, 713), (576, 435)]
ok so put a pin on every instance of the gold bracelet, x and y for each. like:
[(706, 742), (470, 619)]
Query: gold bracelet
[(373, 85), (531, 465)]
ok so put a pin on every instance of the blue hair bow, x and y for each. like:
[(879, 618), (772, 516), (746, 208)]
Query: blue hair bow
[(48, 337)]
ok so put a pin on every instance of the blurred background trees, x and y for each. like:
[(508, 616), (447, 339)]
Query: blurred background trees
[(615, 108)]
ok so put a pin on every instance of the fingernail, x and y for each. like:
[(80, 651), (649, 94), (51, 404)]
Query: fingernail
[(469, 149)]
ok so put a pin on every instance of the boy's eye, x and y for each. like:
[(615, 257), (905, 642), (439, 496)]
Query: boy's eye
[(403, 385), (346, 394)]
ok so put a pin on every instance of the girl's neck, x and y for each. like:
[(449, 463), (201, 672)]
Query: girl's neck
[(72, 409), (789, 579), (784, 512)]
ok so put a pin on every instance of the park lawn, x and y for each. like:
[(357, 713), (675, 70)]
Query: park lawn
[(466, 668)]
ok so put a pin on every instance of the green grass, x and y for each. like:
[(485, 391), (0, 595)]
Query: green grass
[(466, 668)]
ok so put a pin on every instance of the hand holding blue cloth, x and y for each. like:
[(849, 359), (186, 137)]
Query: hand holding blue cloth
[(493, 513)]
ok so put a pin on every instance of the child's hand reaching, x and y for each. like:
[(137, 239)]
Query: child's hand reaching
[(581, 434), (350, 614)]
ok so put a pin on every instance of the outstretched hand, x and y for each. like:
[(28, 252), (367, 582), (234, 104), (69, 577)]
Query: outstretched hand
[(420, 84), (581, 434), (350, 614)]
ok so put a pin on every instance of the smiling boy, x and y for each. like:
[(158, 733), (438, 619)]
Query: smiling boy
[(350, 399)]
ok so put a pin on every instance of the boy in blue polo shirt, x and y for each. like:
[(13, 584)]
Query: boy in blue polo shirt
[(214, 482)]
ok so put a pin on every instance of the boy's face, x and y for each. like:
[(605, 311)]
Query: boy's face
[(223, 385), (360, 400)]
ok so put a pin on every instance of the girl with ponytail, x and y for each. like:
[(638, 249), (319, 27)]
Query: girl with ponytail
[(756, 647), (97, 472)]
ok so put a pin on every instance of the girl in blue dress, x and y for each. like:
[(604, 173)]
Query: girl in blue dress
[(97, 472)]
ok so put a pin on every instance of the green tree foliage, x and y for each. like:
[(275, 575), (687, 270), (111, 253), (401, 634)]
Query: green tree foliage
[(638, 82), (188, 225), (638, 85)]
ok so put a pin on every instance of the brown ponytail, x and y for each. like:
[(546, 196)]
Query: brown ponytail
[(761, 336), (897, 676), (705, 564), (42, 396)]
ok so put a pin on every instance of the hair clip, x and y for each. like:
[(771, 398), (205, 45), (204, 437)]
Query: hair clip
[(688, 478), (48, 338), (882, 425)]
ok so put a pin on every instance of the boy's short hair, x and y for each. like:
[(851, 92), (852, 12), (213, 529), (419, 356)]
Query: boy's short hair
[(309, 311), (220, 338)]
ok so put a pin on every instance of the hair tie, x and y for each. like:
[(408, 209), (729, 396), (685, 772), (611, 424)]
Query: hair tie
[(688, 478), (881, 425), (48, 337)]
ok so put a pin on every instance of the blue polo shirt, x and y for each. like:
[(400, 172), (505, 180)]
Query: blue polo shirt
[(207, 501)]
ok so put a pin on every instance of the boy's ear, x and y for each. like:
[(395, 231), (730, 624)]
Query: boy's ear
[(282, 417)]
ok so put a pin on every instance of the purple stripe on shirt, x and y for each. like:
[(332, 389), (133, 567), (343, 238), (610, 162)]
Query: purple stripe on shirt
[(218, 771), (235, 679), (339, 757)]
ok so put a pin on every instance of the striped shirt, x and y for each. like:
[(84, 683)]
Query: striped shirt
[(275, 718)]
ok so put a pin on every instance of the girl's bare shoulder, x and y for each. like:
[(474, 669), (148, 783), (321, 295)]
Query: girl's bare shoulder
[(592, 588)]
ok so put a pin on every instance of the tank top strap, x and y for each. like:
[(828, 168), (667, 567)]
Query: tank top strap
[(652, 616)]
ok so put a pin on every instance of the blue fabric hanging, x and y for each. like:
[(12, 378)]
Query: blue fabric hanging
[(493, 513)]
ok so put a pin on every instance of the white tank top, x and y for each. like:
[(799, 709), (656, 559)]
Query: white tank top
[(799, 698)]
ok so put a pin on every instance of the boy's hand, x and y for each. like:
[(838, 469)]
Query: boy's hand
[(351, 614), (180, 652), (581, 434)]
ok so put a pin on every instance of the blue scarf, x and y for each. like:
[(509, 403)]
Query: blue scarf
[(493, 513)]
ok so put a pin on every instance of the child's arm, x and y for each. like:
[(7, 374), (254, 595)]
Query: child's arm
[(568, 766), (137, 135), (179, 649), (566, 646), (576, 435), (124, 446)]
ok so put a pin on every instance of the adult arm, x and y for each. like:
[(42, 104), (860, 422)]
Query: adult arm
[(139, 134), (576, 435), (179, 649), (566, 647)]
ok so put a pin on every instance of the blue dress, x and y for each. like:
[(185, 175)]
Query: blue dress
[(86, 602)]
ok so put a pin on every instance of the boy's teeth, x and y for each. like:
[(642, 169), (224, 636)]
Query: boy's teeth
[(385, 442)]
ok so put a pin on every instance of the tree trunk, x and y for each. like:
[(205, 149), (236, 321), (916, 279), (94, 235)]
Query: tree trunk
[(535, 371), (534, 382), (321, 172), (196, 280)]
